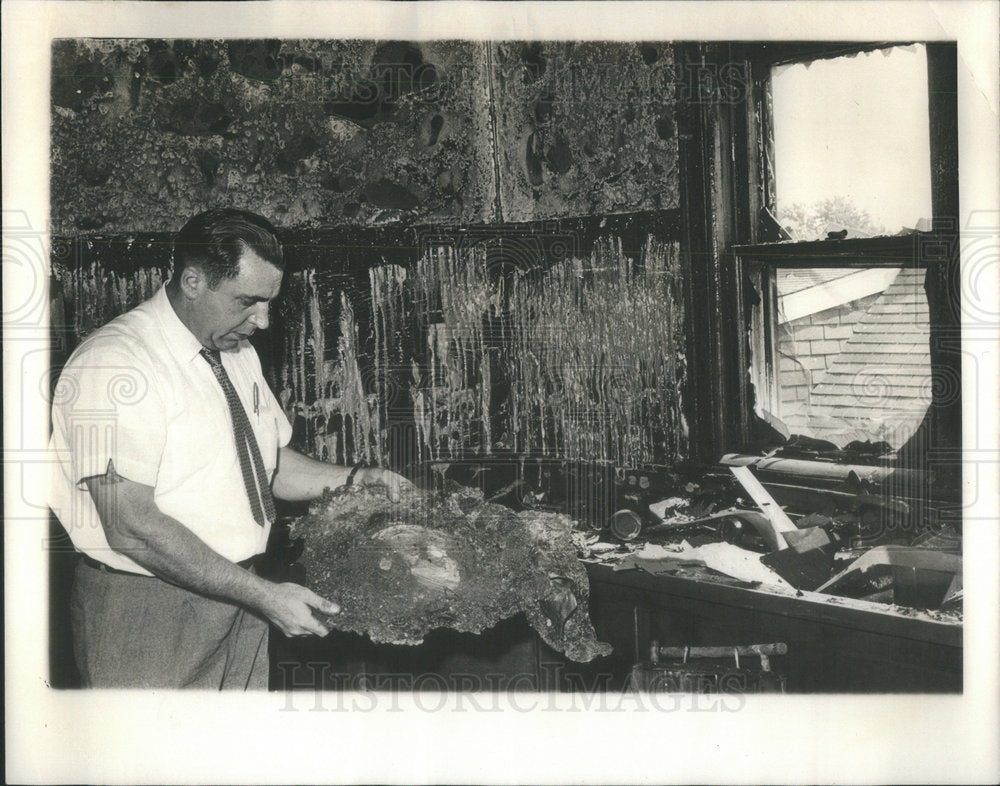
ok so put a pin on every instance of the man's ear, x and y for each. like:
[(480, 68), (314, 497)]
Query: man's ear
[(193, 282)]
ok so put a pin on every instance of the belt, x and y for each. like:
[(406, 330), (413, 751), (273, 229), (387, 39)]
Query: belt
[(90, 562)]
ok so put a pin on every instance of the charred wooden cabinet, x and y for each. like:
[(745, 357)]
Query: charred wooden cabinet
[(834, 645)]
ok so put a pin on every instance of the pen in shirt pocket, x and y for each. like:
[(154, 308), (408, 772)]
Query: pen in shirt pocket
[(256, 402)]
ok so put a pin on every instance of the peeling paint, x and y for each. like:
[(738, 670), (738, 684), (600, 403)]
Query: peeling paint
[(477, 348), (329, 396), (591, 352), (93, 296), (452, 132), (454, 297), (389, 306), (597, 358)]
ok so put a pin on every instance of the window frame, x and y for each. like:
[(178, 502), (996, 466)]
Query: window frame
[(761, 262), (726, 203)]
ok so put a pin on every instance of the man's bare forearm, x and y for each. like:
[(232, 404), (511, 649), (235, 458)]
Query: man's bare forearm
[(168, 549), (135, 527), (301, 478)]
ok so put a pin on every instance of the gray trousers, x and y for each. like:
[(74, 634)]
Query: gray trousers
[(141, 632)]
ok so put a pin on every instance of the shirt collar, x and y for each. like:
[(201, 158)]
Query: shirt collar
[(182, 342)]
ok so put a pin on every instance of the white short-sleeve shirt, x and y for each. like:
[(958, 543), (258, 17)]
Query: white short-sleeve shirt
[(138, 393)]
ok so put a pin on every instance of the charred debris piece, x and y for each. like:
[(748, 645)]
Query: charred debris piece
[(453, 560), (906, 576), (852, 542)]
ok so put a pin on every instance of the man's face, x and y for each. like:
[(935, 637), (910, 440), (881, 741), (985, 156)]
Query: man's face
[(237, 306)]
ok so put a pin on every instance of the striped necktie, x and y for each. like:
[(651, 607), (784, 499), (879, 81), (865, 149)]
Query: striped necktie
[(251, 464)]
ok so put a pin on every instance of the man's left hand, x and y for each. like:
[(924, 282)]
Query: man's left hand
[(395, 485)]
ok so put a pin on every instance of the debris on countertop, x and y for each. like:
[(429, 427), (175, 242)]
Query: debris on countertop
[(723, 558), (714, 531), (673, 508)]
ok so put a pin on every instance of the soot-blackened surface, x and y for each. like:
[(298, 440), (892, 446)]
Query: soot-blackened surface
[(400, 570)]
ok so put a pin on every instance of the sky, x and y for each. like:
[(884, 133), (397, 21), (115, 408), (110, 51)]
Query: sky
[(856, 127)]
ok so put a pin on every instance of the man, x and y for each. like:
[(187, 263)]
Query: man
[(170, 444)]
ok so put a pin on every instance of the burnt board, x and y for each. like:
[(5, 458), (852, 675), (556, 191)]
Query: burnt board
[(400, 570)]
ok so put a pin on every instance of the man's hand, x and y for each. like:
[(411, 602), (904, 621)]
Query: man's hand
[(290, 607), (134, 526), (395, 485), (301, 478)]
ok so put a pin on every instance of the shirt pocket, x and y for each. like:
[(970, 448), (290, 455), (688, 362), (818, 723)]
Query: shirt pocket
[(265, 427)]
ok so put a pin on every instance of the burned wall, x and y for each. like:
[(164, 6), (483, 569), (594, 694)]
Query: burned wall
[(477, 344), (358, 133), (584, 128), (308, 133), (95, 277), (428, 196)]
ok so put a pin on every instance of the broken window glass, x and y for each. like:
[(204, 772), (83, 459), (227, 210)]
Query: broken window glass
[(853, 357)]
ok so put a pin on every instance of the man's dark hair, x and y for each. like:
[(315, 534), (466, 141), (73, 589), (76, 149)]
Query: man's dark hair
[(216, 239)]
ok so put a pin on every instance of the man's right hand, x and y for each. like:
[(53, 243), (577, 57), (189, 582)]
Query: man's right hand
[(290, 607), (136, 527)]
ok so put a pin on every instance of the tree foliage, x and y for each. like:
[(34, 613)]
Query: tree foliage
[(833, 214)]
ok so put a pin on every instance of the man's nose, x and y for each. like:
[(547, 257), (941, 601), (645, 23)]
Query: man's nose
[(260, 316)]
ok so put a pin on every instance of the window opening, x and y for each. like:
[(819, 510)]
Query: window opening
[(851, 141), (853, 356)]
